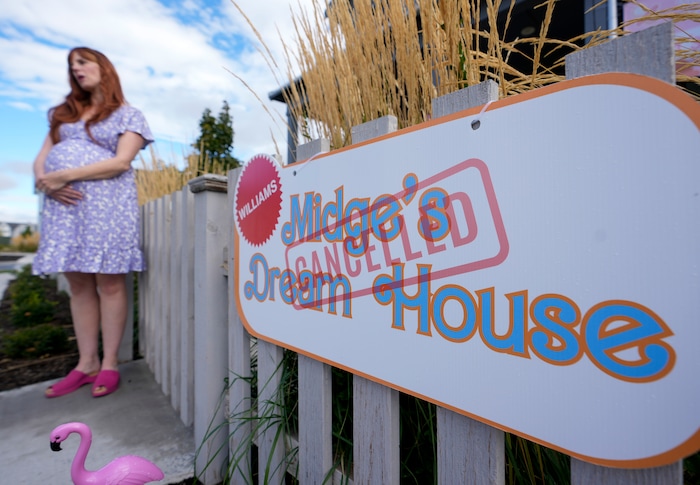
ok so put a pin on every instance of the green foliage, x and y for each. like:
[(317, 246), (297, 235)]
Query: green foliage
[(215, 143), (32, 309), (41, 340), (250, 419), (418, 441), (30, 329), (528, 462), (691, 469), (25, 283), (341, 425), (29, 303)]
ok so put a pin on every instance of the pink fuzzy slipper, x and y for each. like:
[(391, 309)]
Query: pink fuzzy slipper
[(106, 383), (72, 382)]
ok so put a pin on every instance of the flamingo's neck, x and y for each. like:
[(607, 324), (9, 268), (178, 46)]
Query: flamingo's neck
[(77, 469)]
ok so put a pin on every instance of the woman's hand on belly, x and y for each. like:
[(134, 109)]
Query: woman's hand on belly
[(66, 195), (52, 181)]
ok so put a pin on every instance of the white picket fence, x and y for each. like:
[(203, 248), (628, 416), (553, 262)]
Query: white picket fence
[(193, 340)]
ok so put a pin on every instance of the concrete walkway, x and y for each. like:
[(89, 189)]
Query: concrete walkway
[(136, 420), (5, 279)]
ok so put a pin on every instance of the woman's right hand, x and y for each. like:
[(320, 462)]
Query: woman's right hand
[(66, 195)]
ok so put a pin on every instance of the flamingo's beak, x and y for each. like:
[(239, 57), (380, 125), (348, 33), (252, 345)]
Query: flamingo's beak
[(55, 446)]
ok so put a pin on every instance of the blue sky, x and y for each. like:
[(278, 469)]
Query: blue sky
[(173, 58)]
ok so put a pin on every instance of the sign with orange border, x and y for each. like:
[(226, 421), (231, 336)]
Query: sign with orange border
[(538, 271)]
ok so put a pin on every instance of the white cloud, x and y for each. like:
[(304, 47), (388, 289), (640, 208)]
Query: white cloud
[(21, 105), (19, 209), (7, 183), (15, 168)]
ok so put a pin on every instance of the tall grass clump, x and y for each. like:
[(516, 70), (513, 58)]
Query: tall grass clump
[(27, 242), (363, 59), (255, 416), (157, 178)]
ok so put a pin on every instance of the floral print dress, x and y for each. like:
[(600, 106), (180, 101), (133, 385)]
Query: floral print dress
[(101, 233)]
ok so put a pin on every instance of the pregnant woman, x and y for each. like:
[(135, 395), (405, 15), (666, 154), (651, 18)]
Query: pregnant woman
[(90, 218)]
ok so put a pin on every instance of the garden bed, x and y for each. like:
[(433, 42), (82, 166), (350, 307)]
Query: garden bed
[(21, 371)]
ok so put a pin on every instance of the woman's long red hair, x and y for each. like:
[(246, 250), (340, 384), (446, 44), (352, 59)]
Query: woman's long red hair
[(78, 100)]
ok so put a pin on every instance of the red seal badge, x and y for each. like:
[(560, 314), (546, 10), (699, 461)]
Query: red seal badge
[(258, 200)]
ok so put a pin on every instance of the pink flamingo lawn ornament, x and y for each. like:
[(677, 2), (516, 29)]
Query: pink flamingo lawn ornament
[(124, 470)]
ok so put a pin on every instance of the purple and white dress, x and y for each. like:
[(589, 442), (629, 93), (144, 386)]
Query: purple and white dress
[(100, 234)]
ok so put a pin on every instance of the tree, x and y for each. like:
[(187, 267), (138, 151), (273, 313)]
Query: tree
[(215, 143)]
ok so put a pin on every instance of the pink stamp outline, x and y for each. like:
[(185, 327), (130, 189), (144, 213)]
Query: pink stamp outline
[(436, 275)]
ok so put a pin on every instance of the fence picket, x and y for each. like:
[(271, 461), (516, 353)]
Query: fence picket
[(142, 278), (583, 473), (375, 448), (158, 271), (468, 451), (143, 307), (164, 283), (126, 347), (315, 415), (186, 303), (648, 52), (239, 411), (271, 439), (315, 391), (152, 312), (173, 296), (212, 224)]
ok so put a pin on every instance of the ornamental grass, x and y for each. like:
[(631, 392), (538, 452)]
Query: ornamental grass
[(157, 178), (363, 59)]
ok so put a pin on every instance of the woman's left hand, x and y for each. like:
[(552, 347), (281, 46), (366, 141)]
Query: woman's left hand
[(52, 181)]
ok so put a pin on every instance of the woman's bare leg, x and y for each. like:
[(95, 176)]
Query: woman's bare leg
[(113, 308), (85, 309)]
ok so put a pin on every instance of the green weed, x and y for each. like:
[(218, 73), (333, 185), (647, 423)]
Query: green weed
[(38, 341)]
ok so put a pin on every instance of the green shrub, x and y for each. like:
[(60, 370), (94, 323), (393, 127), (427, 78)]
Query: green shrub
[(30, 304), (32, 309), (35, 342), (26, 284), (691, 469)]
